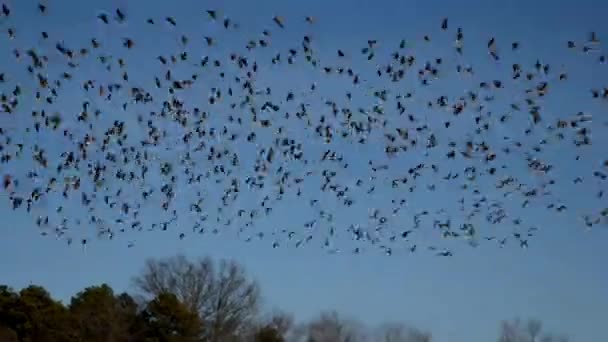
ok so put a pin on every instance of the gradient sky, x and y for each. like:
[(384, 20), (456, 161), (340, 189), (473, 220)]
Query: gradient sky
[(561, 278)]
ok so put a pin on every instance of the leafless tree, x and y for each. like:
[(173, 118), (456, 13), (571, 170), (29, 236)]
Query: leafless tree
[(277, 321), (398, 332), (281, 321), (224, 298), (191, 282), (234, 303), (529, 331), (330, 327)]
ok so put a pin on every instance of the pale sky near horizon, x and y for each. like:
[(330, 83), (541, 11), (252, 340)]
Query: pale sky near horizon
[(561, 279)]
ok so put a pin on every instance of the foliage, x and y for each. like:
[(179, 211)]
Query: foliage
[(36, 316), (194, 301), (166, 319), (98, 315), (268, 333)]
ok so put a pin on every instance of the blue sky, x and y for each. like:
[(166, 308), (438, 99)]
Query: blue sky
[(560, 279)]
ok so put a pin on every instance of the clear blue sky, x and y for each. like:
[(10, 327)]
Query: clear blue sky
[(561, 278)]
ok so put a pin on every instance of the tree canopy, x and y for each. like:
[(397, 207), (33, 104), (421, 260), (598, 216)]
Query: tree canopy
[(182, 300)]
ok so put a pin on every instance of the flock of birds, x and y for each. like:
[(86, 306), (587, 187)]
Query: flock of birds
[(205, 145)]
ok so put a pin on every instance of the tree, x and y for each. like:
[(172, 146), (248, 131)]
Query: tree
[(10, 317), (530, 331), (191, 282), (98, 315), (166, 319), (8, 335), (234, 303), (281, 322), (330, 327), (40, 318), (268, 333), (225, 300), (397, 332), (274, 328)]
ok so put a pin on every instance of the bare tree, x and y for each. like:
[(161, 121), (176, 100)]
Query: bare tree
[(234, 303), (281, 321), (275, 326), (533, 328), (191, 282), (330, 327), (224, 298), (398, 332), (530, 331)]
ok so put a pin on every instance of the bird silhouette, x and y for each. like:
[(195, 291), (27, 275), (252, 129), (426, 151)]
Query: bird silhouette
[(126, 151)]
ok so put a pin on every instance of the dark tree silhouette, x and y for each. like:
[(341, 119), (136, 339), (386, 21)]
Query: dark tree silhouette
[(200, 301), (268, 333), (35, 316), (98, 315), (166, 319), (10, 316), (8, 335)]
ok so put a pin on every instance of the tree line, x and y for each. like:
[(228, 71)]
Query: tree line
[(182, 300)]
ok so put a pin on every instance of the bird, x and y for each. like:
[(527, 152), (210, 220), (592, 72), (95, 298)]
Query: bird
[(6, 11), (212, 14), (279, 21), (138, 148), (103, 17), (120, 16), (171, 21)]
